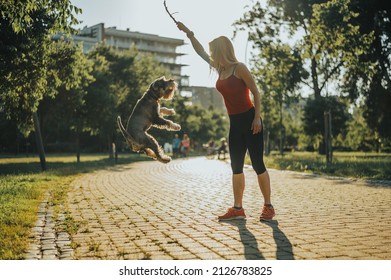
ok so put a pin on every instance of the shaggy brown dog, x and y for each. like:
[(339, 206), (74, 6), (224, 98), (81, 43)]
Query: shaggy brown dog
[(148, 113)]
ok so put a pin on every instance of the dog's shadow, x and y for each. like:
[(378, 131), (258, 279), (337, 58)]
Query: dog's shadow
[(250, 243)]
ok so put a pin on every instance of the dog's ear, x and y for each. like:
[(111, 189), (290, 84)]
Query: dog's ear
[(152, 86), (158, 83), (155, 89)]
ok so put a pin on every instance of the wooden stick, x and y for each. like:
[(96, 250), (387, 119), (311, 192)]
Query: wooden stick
[(168, 12)]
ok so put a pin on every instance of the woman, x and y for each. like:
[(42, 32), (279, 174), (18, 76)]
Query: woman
[(185, 144), (235, 83)]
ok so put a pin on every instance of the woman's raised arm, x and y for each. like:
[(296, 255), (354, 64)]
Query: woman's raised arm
[(195, 43)]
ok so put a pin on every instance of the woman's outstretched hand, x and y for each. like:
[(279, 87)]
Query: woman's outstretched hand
[(182, 27)]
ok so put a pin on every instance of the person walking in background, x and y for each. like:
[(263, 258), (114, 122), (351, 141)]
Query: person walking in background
[(176, 144), (235, 83), (222, 149), (185, 145)]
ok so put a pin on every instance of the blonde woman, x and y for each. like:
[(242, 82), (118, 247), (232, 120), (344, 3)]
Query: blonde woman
[(185, 145), (235, 83)]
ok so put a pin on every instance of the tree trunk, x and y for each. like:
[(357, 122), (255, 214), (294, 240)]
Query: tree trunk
[(281, 131), (38, 138), (267, 142), (314, 75), (77, 147), (110, 146), (115, 152), (327, 137)]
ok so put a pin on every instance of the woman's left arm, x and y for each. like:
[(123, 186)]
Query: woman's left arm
[(243, 73)]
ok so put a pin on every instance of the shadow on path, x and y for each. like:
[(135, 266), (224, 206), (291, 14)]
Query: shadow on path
[(250, 244), (284, 246)]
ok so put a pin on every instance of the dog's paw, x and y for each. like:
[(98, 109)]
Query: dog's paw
[(165, 159), (167, 112), (176, 127)]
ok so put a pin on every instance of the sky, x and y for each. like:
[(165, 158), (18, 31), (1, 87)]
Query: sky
[(208, 19)]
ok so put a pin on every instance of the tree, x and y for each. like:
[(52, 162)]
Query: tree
[(278, 71), (325, 34), (359, 135), (25, 36), (69, 74), (335, 44), (374, 17), (314, 117)]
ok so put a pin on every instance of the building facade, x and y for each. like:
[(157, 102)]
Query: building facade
[(164, 49)]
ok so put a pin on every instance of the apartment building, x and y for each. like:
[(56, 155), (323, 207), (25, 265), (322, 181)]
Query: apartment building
[(164, 49)]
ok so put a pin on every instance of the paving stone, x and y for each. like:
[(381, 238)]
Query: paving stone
[(46, 243), (148, 210)]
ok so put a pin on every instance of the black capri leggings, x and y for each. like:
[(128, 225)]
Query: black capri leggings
[(241, 139)]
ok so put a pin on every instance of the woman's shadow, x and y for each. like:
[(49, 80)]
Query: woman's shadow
[(250, 243), (284, 246)]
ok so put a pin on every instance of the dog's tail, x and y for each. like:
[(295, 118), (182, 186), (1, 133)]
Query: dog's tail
[(123, 130), (129, 139)]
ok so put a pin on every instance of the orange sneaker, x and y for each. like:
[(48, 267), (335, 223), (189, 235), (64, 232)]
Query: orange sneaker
[(233, 214), (267, 213)]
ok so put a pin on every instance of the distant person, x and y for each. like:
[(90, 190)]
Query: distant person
[(167, 148), (222, 149), (176, 144), (210, 148), (185, 145), (235, 83)]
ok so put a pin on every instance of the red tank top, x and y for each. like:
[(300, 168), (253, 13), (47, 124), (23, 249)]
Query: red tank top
[(235, 93)]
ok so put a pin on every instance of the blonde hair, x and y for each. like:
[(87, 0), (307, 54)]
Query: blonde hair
[(221, 49)]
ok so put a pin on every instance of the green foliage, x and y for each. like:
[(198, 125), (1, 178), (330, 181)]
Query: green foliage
[(314, 116), (68, 67), (335, 43), (69, 74), (377, 108), (343, 47), (278, 70), (360, 136), (354, 165), (24, 42), (22, 14)]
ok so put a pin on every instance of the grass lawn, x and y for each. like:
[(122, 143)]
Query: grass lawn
[(23, 187), (376, 166)]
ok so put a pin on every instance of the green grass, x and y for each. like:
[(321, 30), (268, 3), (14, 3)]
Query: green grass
[(20, 196), (376, 166), (23, 187)]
